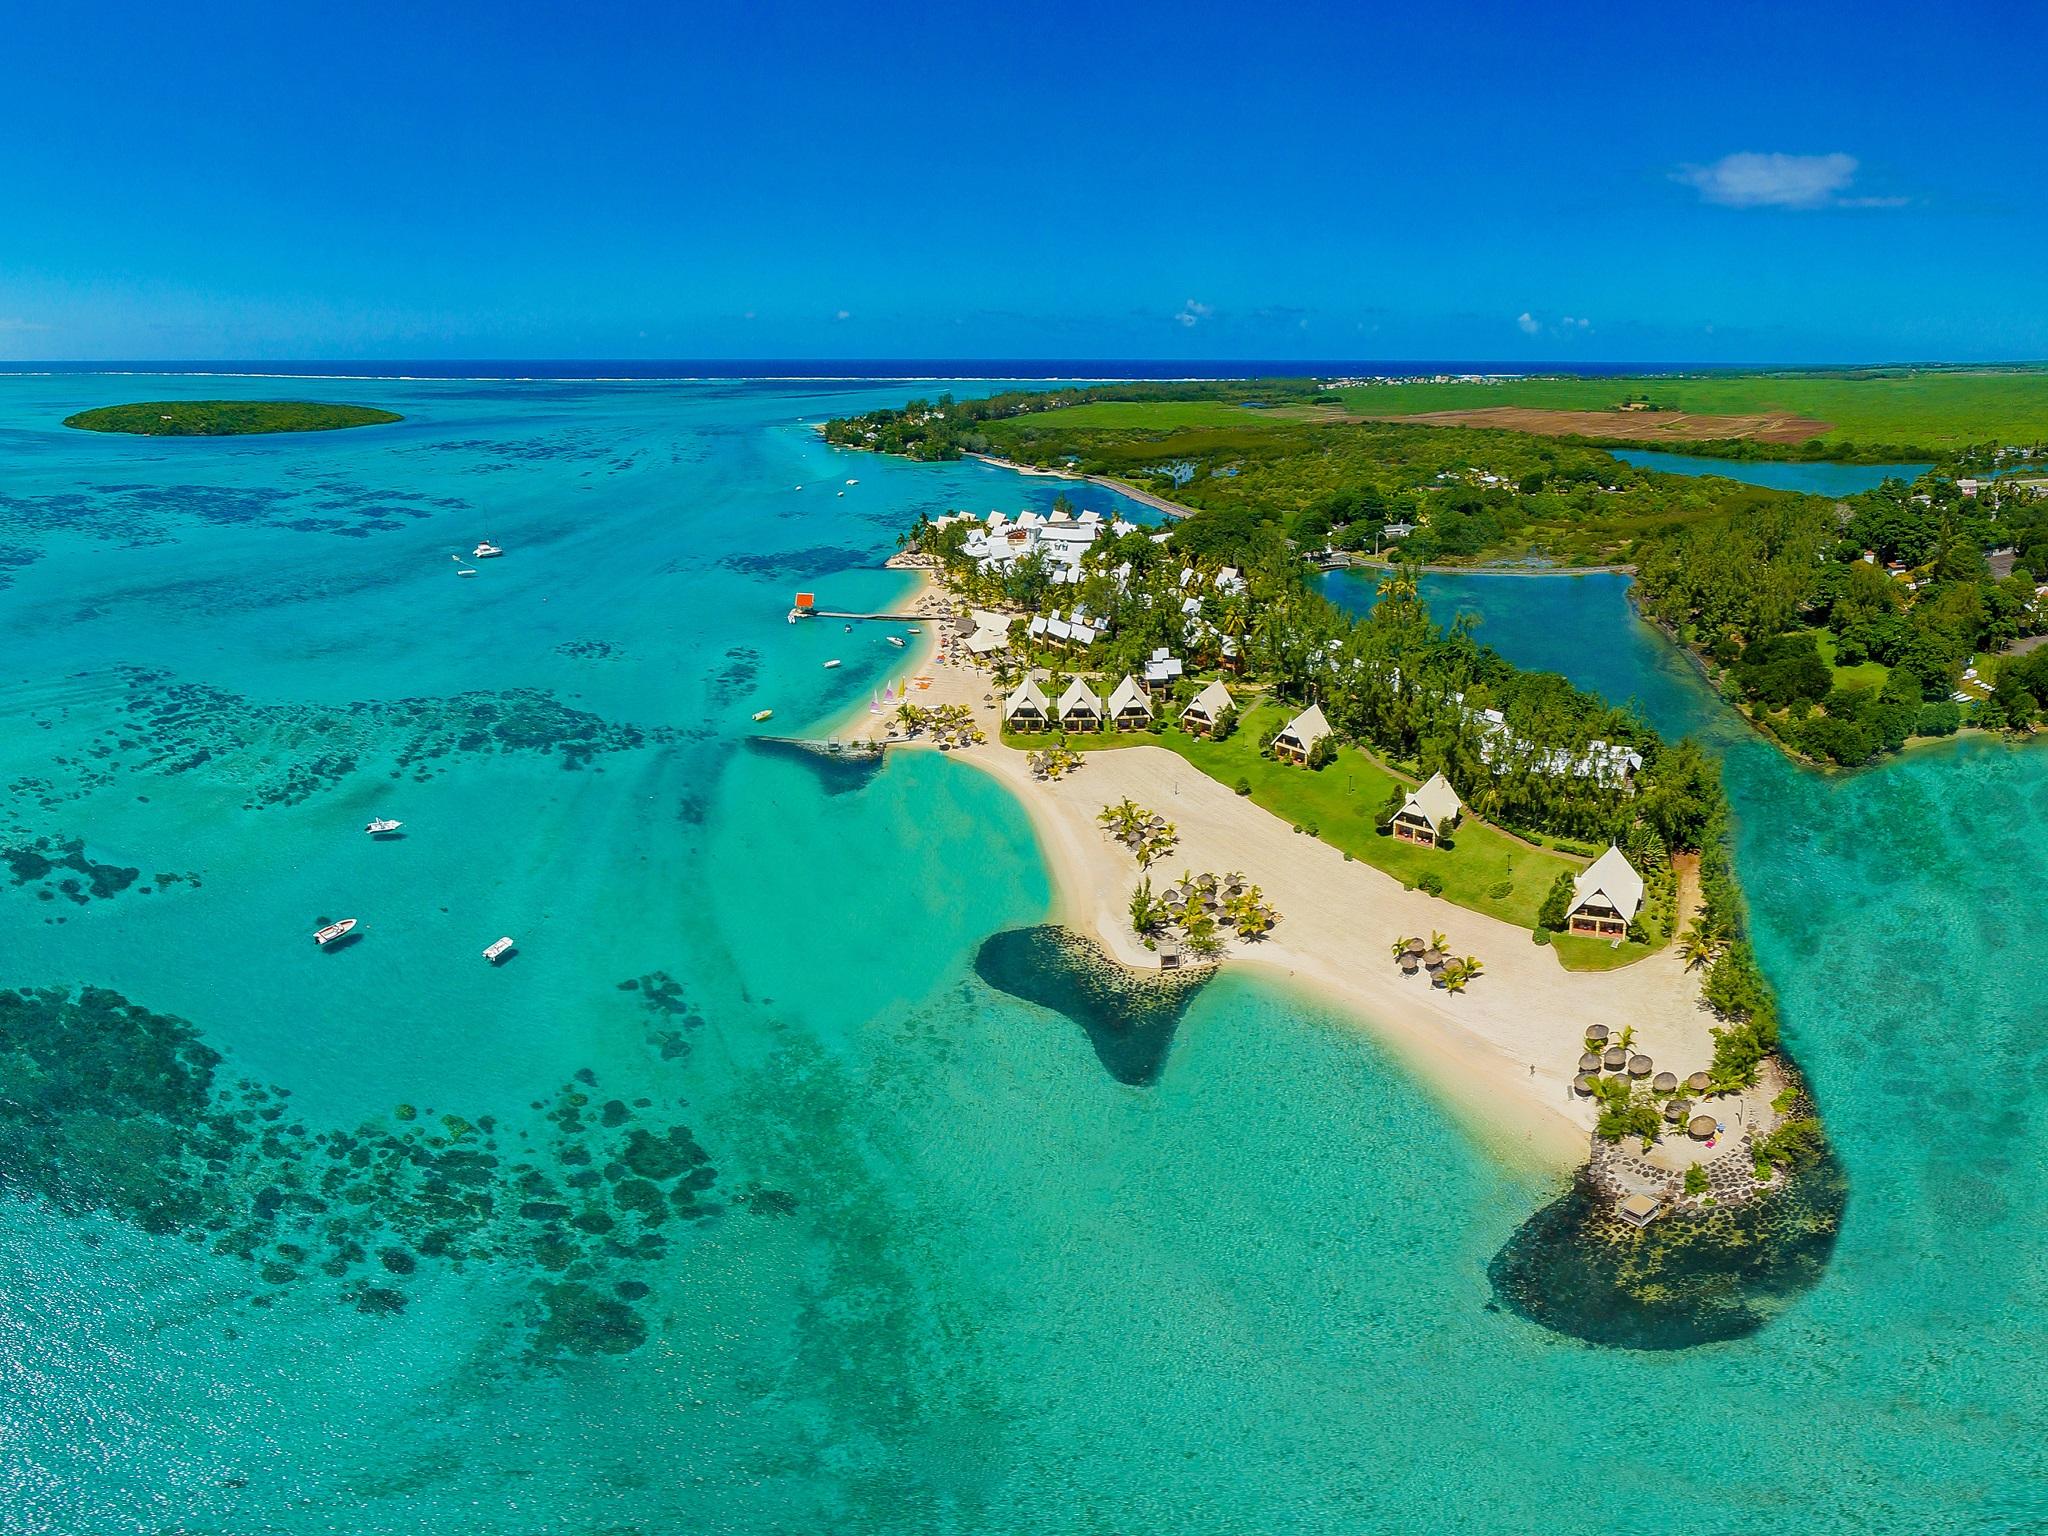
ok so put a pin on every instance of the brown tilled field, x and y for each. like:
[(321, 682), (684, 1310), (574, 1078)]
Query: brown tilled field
[(1633, 426)]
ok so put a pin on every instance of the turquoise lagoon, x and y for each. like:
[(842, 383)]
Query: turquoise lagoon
[(921, 1262), (1818, 479)]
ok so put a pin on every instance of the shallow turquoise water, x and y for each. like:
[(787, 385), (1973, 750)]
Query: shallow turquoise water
[(1816, 479), (994, 1288)]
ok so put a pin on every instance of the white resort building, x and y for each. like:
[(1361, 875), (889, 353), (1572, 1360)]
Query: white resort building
[(1427, 812), (1200, 717), (1300, 735), (1606, 896), (1130, 707), (1080, 708), (1026, 708)]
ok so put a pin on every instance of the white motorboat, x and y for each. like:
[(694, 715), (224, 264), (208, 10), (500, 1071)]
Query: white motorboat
[(832, 663), (485, 551), (498, 950), (897, 641), (383, 827), (762, 714), (325, 936), (465, 571)]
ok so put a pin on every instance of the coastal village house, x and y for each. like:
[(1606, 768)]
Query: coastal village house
[(1200, 717), (1427, 812), (1026, 708), (1130, 708), (1606, 896), (1299, 737), (1080, 707)]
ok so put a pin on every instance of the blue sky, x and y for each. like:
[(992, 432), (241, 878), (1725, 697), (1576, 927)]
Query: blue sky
[(1060, 181)]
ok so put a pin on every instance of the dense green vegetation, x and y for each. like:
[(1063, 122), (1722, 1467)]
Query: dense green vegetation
[(226, 418), (1873, 415), (1845, 628)]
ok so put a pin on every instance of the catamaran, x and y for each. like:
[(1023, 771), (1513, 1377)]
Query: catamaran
[(382, 827), (325, 936)]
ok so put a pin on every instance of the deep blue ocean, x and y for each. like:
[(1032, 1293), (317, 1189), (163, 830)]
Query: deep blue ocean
[(736, 1201)]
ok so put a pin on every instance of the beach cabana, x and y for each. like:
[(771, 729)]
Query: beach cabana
[(1130, 708), (1596, 1034), (1026, 709), (1639, 1209), (1675, 1110), (1615, 1059), (1698, 1082), (1427, 812), (1639, 1066), (1582, 1085), (1701, 1127), (1080, 708), (1200, 717), (1666, 1082), (1300, 735), (1589, 1062), (1606, 896)]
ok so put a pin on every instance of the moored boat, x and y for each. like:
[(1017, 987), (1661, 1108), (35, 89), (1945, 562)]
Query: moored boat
[(325, 936), (485, 551), (383, 826), (897, 641), (832, 663), (497, 950), (763, 714)]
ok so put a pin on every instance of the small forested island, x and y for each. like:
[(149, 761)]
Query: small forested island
[(1843, 627), (227, 418)]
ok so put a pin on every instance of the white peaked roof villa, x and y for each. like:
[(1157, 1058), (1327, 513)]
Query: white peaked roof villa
[(1302, 733), (1130, 704), (1026, 705), (1209, 703), (1080, 702), (1606, 896), (1425, 813)]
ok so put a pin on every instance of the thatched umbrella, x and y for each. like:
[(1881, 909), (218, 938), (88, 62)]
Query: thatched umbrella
[(1410, 965), (1416, 946), (1639, 1066), (1698, 1082), (1615, 1059), (1589, 1062), (1701, 1127), (1676, 1110), (1433, 958), (1666, 1082), (1596, 1034), (1582, 1085)]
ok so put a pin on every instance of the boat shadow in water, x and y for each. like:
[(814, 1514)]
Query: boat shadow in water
[(348, 940), (1129, 1016), (838, 772), (1577, 1269)]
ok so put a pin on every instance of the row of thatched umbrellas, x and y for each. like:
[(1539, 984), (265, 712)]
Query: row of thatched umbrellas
[(1420, 956), (1615, 1059), (1205, 890)]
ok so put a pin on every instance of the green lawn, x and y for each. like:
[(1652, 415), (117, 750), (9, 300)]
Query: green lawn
[(1154, 415), (1869, 674), (1484, 869), (1936, 409), (1579, 952)]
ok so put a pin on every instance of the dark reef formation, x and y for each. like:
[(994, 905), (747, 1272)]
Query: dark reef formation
[(1129, 1017), (287, 753), (108, 1107), (1690, 1277)]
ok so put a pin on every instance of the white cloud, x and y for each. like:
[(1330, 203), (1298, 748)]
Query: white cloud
[(844, 314), (1529, 323), (1575, 323), (1194, 312), (1749, 180)]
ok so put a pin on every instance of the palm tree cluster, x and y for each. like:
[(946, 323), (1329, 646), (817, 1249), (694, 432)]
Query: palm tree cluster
[(1053, 762), (1148, 835), (951, 725), (1433, 955), (1203, 907)]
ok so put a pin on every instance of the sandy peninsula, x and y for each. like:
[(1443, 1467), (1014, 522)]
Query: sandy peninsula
[(1503, 1052)]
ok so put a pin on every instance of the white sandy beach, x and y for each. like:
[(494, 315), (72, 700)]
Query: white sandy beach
[(1338, 921)]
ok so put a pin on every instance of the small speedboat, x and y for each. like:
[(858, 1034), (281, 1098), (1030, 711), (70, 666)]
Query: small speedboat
[(913, 630), (465, 571), (383, 827), (325, 936), (762, 714), (485, 551), (498, 950), (832, 663), (897, 641)]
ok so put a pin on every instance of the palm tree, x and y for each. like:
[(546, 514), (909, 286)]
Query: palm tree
[(1471, 966), (1437, 941), (1401, 947), (1697, 946)]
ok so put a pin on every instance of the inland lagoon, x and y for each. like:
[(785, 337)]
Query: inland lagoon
[(788, 1176)]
